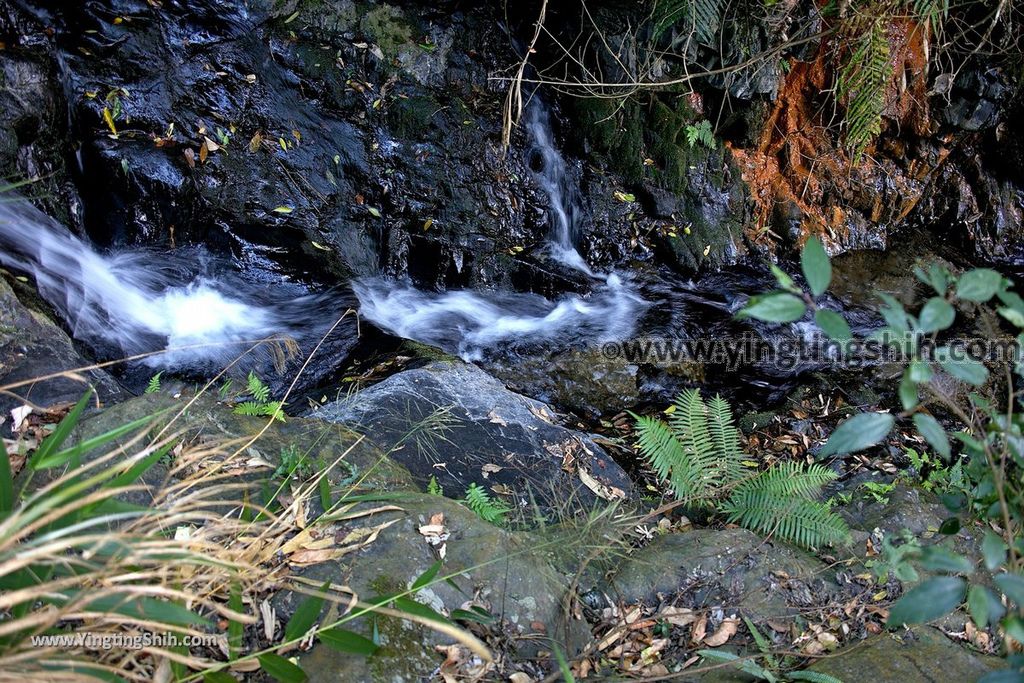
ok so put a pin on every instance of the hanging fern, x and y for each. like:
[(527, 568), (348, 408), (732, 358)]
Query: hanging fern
[(698, 453), (703, 17), (863, 82), (479, 501)]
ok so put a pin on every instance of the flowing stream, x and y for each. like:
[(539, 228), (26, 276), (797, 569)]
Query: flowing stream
[(472, 323), (195, 306)]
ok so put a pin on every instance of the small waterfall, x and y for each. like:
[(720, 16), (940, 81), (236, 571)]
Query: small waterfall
[(563, 195), (471, 323), (196, 307)]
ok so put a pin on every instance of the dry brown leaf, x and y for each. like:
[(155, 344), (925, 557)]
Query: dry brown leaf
[(489, 469), (599, 489), (678, 616), (700, 629), (725, 631), (496, 419)]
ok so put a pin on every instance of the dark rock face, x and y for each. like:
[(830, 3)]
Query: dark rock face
[(452, 421), (335, 138)]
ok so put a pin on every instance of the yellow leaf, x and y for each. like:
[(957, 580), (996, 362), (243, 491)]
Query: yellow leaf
[(671, 409), (707, 250), (427, 223), (255, 142), (297, 135), (624, 196), (373, 211), (109, 118), (283, 209), (284, 145), (319, 246)]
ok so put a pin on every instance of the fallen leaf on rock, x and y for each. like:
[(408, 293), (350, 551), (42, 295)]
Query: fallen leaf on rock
[(599, 489), (489, 469), (678, 616), (542, 413), (18, 416), (699, 629), (495, 418), (725, 631)]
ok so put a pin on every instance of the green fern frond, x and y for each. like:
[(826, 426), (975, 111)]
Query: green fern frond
[(790, 479), (863, 82), (257, 389), (657, 442), (154, 383), (689, 422), (726, 440), (807, 523), (703, 17), (479, 501), (251, 408)]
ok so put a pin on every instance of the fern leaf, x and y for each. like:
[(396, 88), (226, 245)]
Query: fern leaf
[(807, 523), (689, 422), (251, 408), (658, 444), (703, 17), (790, 479), (154, 383), (726, 440), (257, 389), (479, 501), (863, 82)]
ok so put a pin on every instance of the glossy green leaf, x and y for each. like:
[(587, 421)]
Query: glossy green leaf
[(933, 433), (833, 324), (281, 669), (979, 284), (908, 391), (930, 600), (859, 432), (993, 550), (963, 368), (305, 615), (1012, 585), (984, 606), (347, 641), (776, 307), (426, 577), (936, 558), (816, 266), (936, 315)]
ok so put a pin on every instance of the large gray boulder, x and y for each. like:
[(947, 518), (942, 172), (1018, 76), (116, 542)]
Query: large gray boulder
[(453, 422)]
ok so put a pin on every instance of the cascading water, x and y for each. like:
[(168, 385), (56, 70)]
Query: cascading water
[(471, 323), (129, 302)]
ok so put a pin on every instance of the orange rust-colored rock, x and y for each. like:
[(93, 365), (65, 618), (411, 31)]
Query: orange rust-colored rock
[(802, 178)]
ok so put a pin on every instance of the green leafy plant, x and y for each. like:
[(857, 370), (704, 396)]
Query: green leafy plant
[(294, 464), (702, 17), (154, 383), (986, 478), (700, 133), (479, 501), (433, 488), (879, 491), (698, 453), (260, 405)]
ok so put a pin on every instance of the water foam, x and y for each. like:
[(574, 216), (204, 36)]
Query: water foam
[(137, 301)]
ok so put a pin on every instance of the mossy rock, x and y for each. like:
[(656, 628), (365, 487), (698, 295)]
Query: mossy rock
[(388, 27), (210, 422), (918, 655), (508, 571)]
